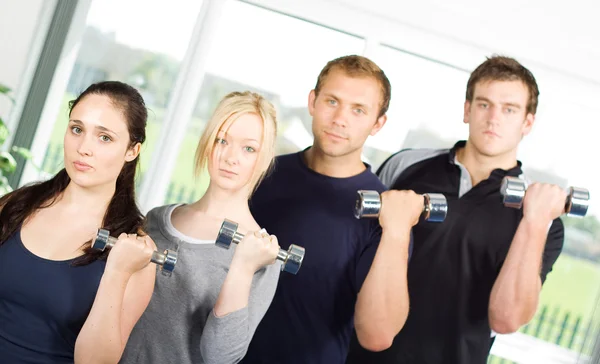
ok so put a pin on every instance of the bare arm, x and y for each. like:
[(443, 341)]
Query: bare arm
[(121, 299), (515, 294), (382, 304)]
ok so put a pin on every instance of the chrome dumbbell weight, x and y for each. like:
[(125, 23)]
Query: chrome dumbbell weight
[(166, 260), (513, 192), (368, 204), (292, 259)]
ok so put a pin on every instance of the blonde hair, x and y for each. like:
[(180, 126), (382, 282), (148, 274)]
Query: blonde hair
[(230, 108)]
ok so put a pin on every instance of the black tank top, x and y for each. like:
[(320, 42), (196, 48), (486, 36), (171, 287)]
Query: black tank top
[(43, 304)]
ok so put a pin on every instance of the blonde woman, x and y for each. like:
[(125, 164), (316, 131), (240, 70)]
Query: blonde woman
[(209, 309)]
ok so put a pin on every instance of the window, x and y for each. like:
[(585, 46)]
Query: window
[(275, 55), (138, 42)]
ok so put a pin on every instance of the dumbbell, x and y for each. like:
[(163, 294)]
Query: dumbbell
[(292, 259), (166, 260), (513, 192), (368, 204)]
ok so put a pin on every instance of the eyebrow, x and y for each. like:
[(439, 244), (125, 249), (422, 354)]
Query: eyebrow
[(246, 140), (99, 127), (354, 104), (481, 98)]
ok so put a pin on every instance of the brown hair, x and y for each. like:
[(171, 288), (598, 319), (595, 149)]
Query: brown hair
[(501, 68), (358, 66), (122, 214)]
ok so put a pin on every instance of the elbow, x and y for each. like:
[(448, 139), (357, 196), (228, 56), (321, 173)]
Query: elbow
[(505, 325), (377, 341)]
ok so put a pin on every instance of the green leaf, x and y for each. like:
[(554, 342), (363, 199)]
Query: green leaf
[(4, 186), (7, 163), (3, 132), (23, 152), (5, 90)]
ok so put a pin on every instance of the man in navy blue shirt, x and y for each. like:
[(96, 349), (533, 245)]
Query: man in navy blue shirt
[(354, 271)]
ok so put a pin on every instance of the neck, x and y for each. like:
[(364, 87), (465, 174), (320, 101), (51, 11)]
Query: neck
[(87, 200), (481, 166), (222, 204), (339, 167)]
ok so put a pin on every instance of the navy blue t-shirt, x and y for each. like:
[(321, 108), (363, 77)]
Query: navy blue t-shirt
[(311, 317), (43, 304)]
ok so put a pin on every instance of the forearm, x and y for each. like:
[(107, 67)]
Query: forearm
[(235, 291), (382, 304), (100, 339), (515, 293)]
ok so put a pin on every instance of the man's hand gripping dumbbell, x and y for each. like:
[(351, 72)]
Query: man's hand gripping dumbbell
[(166, 260), (291, 259), (369, 204), (516, 194)]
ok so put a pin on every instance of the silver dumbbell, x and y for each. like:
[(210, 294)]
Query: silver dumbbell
[(513, 192), (166, 260), (368, 204), (292, 259)]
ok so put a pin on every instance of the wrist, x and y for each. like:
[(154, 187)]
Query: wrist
[(116, 275), (241, 268)]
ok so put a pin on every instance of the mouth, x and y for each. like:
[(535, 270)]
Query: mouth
[(227, 172), (334, 136), (491, 133), (81, 166)]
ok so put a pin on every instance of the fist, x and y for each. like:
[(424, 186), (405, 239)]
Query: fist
[(256, 250), (544, 202), (400, 209), (131, 253)]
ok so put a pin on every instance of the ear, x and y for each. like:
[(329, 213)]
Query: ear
[(133, 152), (378, 124), (312, 96), (528, 124), (467, 111)]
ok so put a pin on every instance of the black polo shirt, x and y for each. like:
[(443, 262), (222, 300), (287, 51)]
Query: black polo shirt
[(454, 264)]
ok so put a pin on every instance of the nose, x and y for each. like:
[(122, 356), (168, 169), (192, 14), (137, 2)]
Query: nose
[(340, 117), (494, 115), (230, 155), (85, 146)]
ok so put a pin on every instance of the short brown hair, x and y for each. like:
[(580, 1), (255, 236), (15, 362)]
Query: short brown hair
[(501, 68), (359, 66)]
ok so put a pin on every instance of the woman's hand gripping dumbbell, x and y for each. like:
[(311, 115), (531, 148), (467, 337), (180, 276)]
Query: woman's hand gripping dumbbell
[(292, 259), (433, 208), (166, 260), (574, 201)]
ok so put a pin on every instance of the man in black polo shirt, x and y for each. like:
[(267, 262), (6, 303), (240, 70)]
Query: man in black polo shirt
[(482, 269)]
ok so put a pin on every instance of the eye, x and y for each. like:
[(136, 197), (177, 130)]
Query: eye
[(359, 111), (76, 130), (221, 141), (105, 138), (249, 149), (510, 110), (483, 105), (332, 102)]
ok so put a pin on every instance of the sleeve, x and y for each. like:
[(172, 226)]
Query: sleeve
[(553, 248), (365, 259), (226, 339), (387, 172)]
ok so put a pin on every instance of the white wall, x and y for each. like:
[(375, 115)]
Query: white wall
[(23, 26)]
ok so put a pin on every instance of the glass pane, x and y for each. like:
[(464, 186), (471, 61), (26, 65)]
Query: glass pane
[(270, 53), (134, 41), (426, 107)]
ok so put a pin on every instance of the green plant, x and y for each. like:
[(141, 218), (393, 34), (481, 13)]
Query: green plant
[(8, 164)]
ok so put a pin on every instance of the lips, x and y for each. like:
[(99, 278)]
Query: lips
[(227, 172), (81, 166), (334, 135), (491, 133)]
